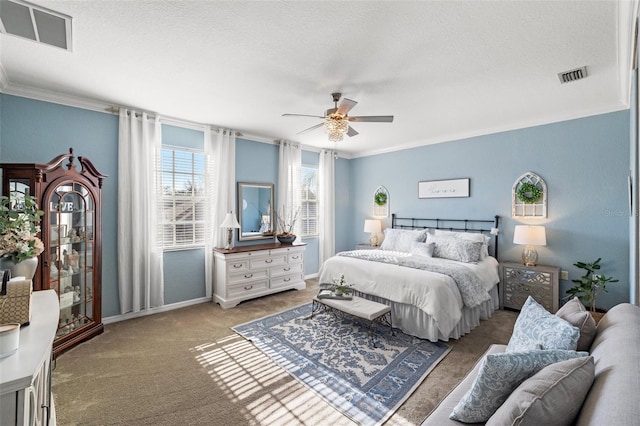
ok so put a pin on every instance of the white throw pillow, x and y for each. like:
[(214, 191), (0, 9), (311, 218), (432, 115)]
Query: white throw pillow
[(402, 239)]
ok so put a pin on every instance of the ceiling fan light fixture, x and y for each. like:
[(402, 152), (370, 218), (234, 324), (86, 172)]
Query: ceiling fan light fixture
[(336, 126)]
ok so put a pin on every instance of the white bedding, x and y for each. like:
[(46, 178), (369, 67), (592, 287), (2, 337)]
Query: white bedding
[(435, 294)]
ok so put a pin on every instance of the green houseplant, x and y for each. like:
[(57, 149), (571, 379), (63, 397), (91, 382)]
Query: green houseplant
[(590, 284)]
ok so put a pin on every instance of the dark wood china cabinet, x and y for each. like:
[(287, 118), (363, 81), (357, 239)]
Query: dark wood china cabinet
[(68, 189)]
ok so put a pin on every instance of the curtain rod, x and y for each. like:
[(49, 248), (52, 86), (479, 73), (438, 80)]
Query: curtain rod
[(169, 120)]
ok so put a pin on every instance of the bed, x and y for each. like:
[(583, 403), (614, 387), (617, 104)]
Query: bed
[(439, 276)]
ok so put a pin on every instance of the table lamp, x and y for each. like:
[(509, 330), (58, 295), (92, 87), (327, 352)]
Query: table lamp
[(230, 222), (530, 236), (373, 226)]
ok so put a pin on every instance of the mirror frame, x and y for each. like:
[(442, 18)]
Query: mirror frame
[(243, 236)]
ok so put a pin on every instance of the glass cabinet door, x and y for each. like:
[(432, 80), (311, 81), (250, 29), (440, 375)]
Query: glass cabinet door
[(71, 221)]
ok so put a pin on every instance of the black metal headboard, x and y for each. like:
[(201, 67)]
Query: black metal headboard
[(459, 225)]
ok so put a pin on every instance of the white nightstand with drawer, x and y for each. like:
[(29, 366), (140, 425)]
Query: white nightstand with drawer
[(252, 271)]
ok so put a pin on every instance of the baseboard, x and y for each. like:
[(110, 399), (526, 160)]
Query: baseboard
[(311, 276), (165, 308)]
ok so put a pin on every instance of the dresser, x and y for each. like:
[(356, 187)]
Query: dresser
[(25, 376), (247, 272), (519, 282)]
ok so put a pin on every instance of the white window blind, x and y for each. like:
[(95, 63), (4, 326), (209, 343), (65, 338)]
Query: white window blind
[(182, 202), (309, 210)]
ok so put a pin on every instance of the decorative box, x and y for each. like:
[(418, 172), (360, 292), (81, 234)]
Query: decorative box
[(15, 301)]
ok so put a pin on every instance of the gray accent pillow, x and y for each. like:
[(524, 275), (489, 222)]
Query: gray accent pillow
[(536, 328), (553, 396), (575, 313), (499, 375), (471, 236), (459, 249)]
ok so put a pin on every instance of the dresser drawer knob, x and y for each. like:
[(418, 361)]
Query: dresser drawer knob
[(248, 275), (295, 257), (268, 260), (287, 269), (237, 265), (248, 287), (286, 280)]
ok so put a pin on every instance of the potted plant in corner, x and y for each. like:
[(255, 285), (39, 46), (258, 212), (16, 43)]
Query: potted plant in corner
[(285, 226), (589, 285)]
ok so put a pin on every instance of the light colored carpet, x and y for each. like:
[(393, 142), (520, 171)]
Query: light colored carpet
[(187, 367)]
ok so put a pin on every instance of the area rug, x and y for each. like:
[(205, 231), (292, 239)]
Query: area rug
[(333, 355)]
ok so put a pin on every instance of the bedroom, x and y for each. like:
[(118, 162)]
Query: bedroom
[(584, 160)]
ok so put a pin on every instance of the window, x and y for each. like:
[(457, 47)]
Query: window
[(309, 211), (182, 201)]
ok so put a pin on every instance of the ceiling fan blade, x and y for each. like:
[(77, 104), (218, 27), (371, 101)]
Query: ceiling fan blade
[(345, 106), (310, 128), (351, 132), (301, 115), (373, 118)]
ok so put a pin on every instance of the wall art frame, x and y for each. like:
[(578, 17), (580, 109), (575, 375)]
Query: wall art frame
[(529, 197), (450, 188)]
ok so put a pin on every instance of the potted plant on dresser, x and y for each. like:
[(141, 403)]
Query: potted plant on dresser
[(590, 285), (285, 226)]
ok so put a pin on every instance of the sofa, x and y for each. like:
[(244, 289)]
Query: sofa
[(612, 399)]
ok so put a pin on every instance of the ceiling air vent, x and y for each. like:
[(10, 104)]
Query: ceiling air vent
[(27, 20), (573, 75)]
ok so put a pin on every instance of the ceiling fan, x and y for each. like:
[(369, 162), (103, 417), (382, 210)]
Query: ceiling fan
[(336, 120)]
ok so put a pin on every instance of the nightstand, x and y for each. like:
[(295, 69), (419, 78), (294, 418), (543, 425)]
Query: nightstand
[(366, 247), (518, 282)]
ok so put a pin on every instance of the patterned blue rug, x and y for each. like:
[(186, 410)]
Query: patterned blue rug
[(333, 356)]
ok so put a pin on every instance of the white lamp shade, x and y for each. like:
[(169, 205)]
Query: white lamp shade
[(372, 225), (530, 235), (230, 221)]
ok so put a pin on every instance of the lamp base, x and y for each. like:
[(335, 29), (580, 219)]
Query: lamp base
[(529, 256), (229, 245), (373, 240)]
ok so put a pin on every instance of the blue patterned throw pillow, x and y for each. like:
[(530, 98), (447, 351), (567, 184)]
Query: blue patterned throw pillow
[(499, 375), (536, 328)]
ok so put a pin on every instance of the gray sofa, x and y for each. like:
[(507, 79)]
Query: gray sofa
[(614, 397)]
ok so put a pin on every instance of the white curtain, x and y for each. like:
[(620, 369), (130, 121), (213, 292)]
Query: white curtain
[(220, 153), (326, 201), (140, 275), (289, 185)]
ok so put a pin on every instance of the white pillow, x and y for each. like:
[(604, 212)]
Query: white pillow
[(402, 239), (423, 249), (470, 236)]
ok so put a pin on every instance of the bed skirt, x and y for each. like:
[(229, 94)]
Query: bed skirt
[(415, 322)]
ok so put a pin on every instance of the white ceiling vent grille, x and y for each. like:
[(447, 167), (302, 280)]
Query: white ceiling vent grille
[(27, 20), (572, 75)]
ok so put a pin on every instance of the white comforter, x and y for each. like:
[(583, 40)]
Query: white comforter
[(434, 293)]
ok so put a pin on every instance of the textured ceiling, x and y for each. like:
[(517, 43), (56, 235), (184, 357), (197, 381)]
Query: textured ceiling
[(444, 69)]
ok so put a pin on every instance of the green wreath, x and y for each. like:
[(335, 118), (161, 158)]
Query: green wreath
[(380, 198), (529, 193)]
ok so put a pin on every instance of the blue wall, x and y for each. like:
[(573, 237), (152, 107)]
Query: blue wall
[(584, 162)]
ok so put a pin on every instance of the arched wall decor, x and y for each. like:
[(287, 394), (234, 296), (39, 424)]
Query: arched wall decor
[(381, 202), (529, 196)]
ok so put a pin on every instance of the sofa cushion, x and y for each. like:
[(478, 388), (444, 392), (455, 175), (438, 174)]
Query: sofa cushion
[(536, 328), (552, 396), (613, 398), (575, 313), (498, 376)]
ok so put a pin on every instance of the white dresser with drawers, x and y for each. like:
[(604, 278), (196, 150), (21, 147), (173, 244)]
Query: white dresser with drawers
[(252, 271)]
